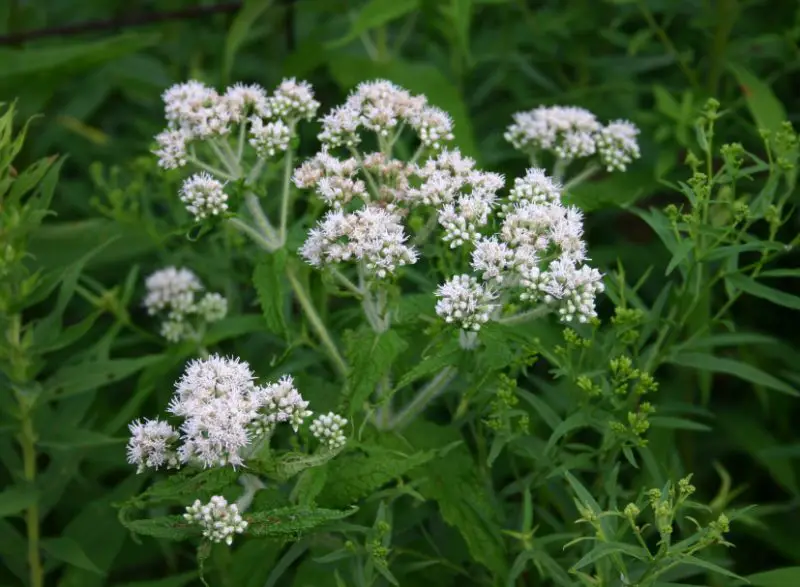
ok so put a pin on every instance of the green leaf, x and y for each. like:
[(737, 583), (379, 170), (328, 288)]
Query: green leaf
[(233, 327), (188, 484), (67, 550), (267, 279), (181, 580), (766, 109), (785, 577), (354, 475), (243, 23), (444, 357), (574, 422), (542, 408), (605, 549), (292, 522), (727, 339), (703, 362), (70, 56), (16, 499), (420, 78), (371, 357), (88, 376), (672, 423), (375, 13), (168, 527), (698, 562), (752, 287), (76, 438)]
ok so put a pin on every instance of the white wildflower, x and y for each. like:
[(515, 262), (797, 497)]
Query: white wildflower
[(171, 289), (617, 145), (151, 445), (433, 125), (462, 221), (328, 429), (491, 258), (269, 139), (573, 288), (171, 151), (176, 330), (204, 196), (465, 301), (218, 519), (243, 100), (535, 188), (567, 131), (292, 100), (340, 127), (280, 402), (197, 109)]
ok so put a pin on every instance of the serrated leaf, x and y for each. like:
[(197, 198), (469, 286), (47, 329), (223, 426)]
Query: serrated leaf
[(188, 484), (371, 357), (358, 475), (703, 362), (67, 550), (268, 281), (292, 522), (759, 290), (441, 358)]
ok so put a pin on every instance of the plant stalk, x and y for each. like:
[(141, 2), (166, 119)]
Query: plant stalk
[(423, 398), (287, 177), (27, 439)]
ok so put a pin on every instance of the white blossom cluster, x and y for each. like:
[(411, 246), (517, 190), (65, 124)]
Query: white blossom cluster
[(538, 255), (382, 107), (173, 293), (196, 112), (218, 519), (204, 196), (572, 133), (328, 428), (222, 411)]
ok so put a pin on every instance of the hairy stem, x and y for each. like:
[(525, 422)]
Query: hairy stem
[(27, 440), (287, 177), (316, 322), (262, 222), (536, 312), (584, 175), (423, 398)]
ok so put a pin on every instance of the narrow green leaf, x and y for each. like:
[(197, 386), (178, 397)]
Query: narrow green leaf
[(542, 408), (373, 14), (83, 377), (607, 549), (16, 499), (766, 109), (698, 562), (671, 423), (371, 357), (168, 527), (68, 551), (242, 25), (759, 290), (785, 577), (703, 362)]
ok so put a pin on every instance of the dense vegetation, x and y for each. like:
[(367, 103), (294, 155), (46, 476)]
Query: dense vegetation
[(558, 428)]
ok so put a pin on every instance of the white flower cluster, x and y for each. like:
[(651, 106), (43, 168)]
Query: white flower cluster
[(382, 107), (538, 253), (573, 133), (172, 291), (196, 112), (370, 235), (218, 519), (223, 411), (204, 196), (328, 429)]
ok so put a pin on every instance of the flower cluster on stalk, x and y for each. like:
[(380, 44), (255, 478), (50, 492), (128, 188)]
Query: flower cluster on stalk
[(172, 293), (570, 133), (223, 411)]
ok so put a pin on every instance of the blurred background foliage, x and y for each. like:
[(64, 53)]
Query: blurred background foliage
[(98, 86)]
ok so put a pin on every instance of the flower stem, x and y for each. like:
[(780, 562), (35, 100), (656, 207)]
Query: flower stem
[(27, 440), (423, 398), (211, 169), (316, 322), (260, 239), (587, 173), (287, 176), (262, 222), (537, 312)]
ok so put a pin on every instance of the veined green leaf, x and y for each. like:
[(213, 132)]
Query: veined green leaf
[(16, 499), (371, 357), (785, 577), (67, 550), (267, 279), (373, 14), (607, 549), (84, 377), (292, 521), (766, 109)]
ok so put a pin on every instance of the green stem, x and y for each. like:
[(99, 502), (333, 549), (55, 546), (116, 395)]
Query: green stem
[(559, 169), (262, 222), (27, 439), (423, 398), (587, 173), (211, 169), (260, 239), (316, 322), (287, 177), (667, 42), (537, 312)]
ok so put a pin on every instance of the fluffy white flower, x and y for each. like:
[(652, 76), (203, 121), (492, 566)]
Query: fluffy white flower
[(535, 188), (433, 125), (462, 221), (371, 235), (269, 139), (243, 100), (171, 151), (197, 109), (218, 519), (617, 145), (573, 288), (465, 301), (151, 445), (340, 127), (292, 100), (567, 131), (204, 196), (491, 258), (328, 429), (280, 402), (176, 330), (171, 289)]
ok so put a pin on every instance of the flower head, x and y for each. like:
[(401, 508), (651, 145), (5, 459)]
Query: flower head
[(280, 402), (292, 100), (151, 445), (567, 131), (171, 289), (617, 145), (328, 429), (204, 196), (218, 519), (465, 301)]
